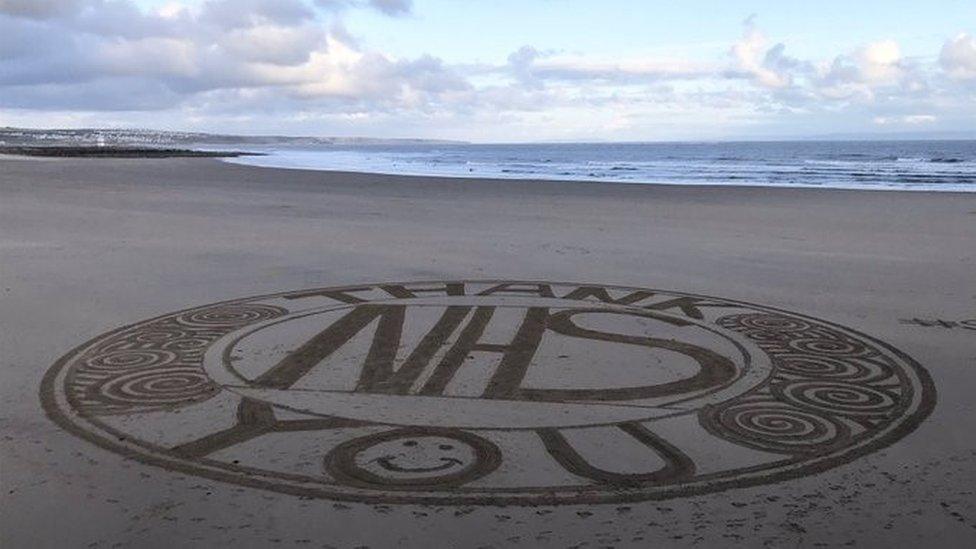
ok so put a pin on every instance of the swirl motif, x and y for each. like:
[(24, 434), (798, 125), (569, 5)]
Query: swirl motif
[(155, 386), (767, 322), (229, 315), (129, 359), (824, 383), (841, 347), (844, 398), (118, 343), (158, 364), (833, 368), (776, 427), (160, 334), (187, 344)]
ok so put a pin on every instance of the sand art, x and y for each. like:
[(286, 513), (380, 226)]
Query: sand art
[(489, 392)]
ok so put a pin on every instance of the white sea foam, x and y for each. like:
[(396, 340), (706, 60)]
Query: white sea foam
[(922, 166)]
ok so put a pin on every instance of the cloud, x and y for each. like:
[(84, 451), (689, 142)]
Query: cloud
[(234, 14), (106, 95), (40, 9), (958, 57), (854, 77), (171, 57), (909, 120), (528, 63), (872, 68), (624, 69), (879, 62), (520, 63), (393, 7), (352, 75), (767, 65), (287, 65), (274, 44)]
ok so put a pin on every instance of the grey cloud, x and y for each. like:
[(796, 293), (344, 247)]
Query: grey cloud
[(41, 9), (274, 45), (341, 33), (124, 19), (958, 56), (382, 83), (520, 64), (523, 57), (113, 53), (767, 66), (109, 94), (104, 17), (429, 74), (533, 67), (18, 39), (615, 73), (392, 7), (842, 71), (245, 13), (777, 60)]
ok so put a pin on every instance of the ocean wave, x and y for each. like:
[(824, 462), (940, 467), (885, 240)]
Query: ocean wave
[(878, 166)]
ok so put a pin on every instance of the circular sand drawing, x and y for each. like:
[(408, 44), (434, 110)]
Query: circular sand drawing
[(488, 392)]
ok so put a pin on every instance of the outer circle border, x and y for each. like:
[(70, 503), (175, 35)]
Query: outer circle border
[(928, 397)]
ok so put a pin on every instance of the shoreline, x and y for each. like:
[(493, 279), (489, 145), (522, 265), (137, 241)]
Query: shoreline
[(242, 160), (460, 179), (567, 184)]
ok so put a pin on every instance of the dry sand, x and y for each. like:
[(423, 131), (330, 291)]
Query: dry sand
[(90, 245)]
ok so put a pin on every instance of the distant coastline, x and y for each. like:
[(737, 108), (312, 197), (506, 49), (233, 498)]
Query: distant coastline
[(11, 136), (169, 139), (88, 151)]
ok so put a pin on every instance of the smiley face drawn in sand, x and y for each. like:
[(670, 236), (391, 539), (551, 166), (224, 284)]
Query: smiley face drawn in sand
[(413, 458), (420, 455)]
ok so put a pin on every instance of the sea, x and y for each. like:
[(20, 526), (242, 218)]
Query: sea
[(873, 165)]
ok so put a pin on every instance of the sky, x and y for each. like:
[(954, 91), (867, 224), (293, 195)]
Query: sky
[(492, 70)]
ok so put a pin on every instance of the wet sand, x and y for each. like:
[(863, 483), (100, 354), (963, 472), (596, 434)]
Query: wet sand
[(88, 245)]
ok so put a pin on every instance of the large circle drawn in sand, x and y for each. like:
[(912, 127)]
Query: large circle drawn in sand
[(488, 392)]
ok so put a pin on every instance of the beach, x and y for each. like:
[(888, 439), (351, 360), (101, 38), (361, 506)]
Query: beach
[(89, 245)]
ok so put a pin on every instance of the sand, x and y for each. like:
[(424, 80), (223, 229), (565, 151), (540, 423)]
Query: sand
[(88, 245)]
